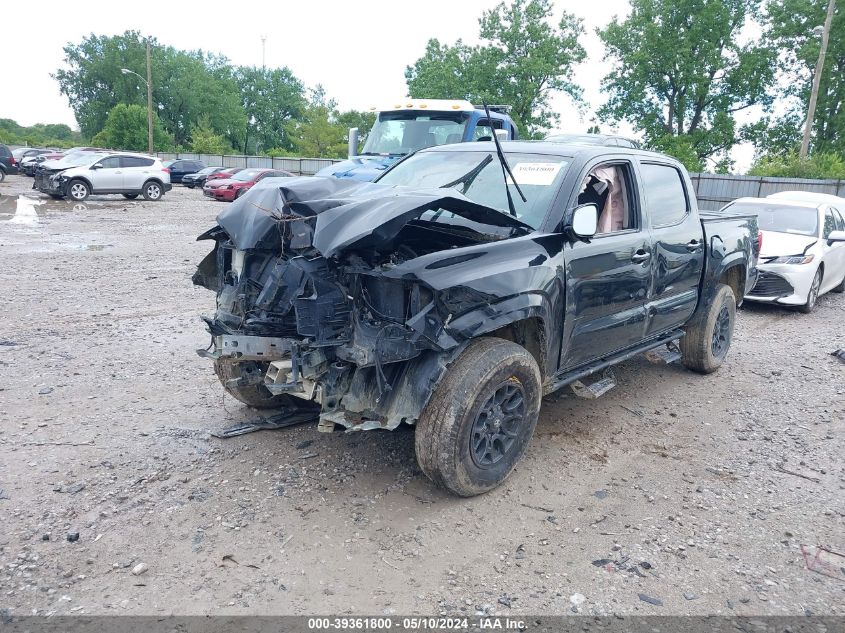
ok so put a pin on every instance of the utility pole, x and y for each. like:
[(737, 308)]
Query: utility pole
[(263, 48), (150, 99), (817, 76)]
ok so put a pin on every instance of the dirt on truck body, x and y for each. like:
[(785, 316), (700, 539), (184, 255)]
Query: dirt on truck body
[(438, 298)]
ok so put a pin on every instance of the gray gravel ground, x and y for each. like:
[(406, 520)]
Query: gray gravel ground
[(667, 496)]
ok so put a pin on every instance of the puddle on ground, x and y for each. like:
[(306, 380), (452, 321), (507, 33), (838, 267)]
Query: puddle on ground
[(24, 209)]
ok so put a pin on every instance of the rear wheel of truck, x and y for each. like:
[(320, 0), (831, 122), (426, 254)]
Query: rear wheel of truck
[(480, 418), (244, 381), (708, 336)]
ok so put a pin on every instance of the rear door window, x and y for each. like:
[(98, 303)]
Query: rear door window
[(665, 194), (136, 161)]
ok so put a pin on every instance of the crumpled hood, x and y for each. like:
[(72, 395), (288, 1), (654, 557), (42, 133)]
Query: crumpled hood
[(777, 244), (361, 168), (332, 214)]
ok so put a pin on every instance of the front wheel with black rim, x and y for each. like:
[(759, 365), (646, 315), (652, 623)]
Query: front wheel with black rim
[(813, 293), (480, 418), (77, 190), (708, 336), (152, 190), (245, 381)]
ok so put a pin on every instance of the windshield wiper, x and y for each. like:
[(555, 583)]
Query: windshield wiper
[(506, 169), (468, 178)]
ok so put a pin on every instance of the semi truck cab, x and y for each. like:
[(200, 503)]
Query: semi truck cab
[(408, 125)]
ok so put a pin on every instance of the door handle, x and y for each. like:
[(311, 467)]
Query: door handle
[(693, 245), (641, 256)]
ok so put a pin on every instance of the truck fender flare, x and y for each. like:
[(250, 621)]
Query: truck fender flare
[(733, 260)]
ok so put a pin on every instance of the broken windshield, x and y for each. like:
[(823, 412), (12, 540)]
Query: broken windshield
[(406, 132), (479, 177)]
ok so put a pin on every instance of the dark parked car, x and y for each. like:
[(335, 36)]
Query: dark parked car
[(8, 164), (198, 179), (182, 167), (448, 297), (30, 164)]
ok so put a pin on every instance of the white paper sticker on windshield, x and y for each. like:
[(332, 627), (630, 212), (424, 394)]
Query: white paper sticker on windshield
[(535, 173)]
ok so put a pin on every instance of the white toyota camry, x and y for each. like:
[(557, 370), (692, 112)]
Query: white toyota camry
[(803, 252)]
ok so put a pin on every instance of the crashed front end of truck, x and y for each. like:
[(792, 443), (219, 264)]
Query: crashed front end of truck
[(324, 296)]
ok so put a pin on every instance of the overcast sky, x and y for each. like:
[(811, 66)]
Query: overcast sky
[(358, 51)]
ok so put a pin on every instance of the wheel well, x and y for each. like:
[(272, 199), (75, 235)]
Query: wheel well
[(155, 180), (85, 180), (734, 277), (529, 333)]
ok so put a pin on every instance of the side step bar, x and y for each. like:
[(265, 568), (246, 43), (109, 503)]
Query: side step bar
[(566, 378)]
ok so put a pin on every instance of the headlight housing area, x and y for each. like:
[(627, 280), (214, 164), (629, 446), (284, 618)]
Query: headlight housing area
[(792, 259), (229, 187)]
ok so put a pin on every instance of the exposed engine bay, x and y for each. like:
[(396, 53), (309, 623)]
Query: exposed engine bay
[(332, 291)]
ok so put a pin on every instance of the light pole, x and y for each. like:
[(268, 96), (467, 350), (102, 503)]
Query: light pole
[(817, 76), (149, 82)]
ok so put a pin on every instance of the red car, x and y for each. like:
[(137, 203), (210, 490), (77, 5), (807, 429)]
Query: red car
[(229, 189)]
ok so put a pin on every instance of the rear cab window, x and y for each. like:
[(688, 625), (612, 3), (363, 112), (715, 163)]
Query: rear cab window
[(665, 194)]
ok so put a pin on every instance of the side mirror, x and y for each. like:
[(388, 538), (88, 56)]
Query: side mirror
[(584, 221), (97, 166), (353, 142), (836, 236)]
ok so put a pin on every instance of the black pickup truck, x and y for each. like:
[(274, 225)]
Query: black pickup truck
[(444, 298)]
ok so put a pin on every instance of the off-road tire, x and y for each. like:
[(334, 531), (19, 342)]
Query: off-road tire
[(77, 190), (444, 432), (130, 196), (254, 395), (152, 191), (697, 345), (813, 293)]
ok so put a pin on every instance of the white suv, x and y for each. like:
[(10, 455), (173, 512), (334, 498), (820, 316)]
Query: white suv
[(128, 174)]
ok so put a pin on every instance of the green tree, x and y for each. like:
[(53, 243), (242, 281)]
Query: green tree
[(681, 73), (318, 134), (205, 141), (126, 128), (524, 57), (271, 99), (186, 84), (821, 165), (790, 25)]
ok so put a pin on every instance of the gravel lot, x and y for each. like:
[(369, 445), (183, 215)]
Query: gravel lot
[(673, 494)]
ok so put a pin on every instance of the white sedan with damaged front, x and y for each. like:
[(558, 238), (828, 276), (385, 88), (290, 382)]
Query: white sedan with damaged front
[(803, 251)]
